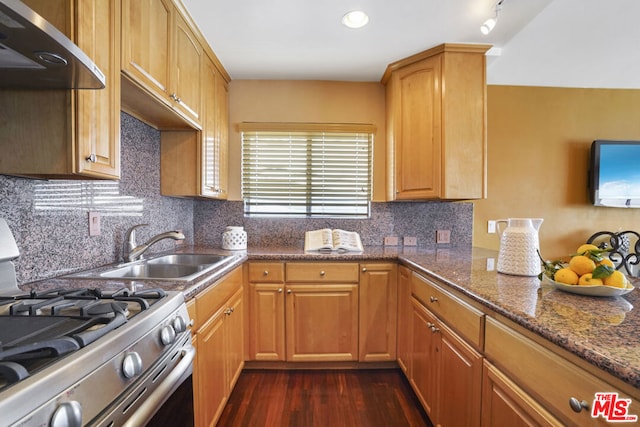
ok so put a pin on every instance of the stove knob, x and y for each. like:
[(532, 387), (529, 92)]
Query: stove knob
[(67, 414), (167, 335), (179, 325), (131, 365)]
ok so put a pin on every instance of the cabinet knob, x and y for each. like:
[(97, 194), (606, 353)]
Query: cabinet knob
[(288, 291), (228, 311), (322, 273), (364, 269), (92, 158), (265, 273), (279, 290), (434, 329), (578, 405), (433, 299)]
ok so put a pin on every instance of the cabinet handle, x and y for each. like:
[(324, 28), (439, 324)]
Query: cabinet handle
[(434, 329), (265, 273), (228, 311), (433, 299), (279, 290), (430, 325), (322, 273), (288, 291), (578, 405), (92, 158), (364, 269), (175, 97)]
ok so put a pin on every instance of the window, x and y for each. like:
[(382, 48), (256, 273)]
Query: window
[(306, 170)]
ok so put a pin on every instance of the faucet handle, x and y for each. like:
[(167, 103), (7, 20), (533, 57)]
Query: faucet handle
[(130, 240)]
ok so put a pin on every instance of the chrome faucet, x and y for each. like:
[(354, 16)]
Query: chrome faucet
[(132, 251)]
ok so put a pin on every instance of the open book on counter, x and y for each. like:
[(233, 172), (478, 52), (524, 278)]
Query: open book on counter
[(328, 240)]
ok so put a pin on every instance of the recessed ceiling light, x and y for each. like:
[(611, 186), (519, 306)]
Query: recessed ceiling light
[(355, 19)]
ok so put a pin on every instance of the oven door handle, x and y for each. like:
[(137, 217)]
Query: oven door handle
[(152, 402)]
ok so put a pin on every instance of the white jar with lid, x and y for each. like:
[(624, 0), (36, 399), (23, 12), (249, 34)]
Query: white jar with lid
[(234, 239)]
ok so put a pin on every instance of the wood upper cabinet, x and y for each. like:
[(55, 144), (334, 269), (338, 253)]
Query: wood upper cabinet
[(378, 312), (162, 56), (68, 133), (436, 124), (194, 163)]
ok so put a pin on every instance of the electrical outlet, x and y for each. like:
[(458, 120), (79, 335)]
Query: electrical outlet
[(94, 224), (491, 264), (443, 236), (391, 241), (410, 241), (491, 226)]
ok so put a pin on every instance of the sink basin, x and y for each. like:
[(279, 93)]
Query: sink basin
[(176, 267)]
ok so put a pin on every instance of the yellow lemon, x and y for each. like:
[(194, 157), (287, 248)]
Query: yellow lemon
[(616, 279), (582, 249), (607, 262), (566, 276), (588, 280), (582, 264)]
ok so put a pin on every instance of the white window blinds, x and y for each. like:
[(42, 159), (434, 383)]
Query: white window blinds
[(306, 170)]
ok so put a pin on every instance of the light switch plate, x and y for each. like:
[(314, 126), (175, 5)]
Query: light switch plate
[(391, 241), (443, 237), (94, 223), (410, 241)]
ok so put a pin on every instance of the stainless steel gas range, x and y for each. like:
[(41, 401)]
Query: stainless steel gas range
[(75, 357)]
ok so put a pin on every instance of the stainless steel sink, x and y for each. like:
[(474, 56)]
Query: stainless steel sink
[(176, 267)]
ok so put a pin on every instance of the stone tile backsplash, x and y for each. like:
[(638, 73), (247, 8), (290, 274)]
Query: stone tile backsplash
[(49, 219)]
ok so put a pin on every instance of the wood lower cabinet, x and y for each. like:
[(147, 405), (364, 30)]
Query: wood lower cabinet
[(68, 133), (404, 320), (378, 296), (219, 344), (506, 404), (310, 317), (517, 357), (444, 369), (436, 124)]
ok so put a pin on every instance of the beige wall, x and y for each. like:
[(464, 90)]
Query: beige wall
[(538, 147), (306, 101), (538, 151)]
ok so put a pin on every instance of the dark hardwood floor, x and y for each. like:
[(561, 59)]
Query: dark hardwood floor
[(307, 398)]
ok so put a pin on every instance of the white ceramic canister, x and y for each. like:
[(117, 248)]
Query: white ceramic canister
[(519, 246), (234, 239)]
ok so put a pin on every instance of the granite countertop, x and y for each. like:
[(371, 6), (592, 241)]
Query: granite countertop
[(601, 330)]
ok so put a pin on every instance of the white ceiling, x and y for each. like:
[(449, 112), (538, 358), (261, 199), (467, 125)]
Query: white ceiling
[(580, 43)]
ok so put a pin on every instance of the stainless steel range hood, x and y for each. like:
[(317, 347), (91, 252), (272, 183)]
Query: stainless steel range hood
[(36, 55)]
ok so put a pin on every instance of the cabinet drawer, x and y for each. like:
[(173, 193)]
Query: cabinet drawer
[(458, 315), (266, 272), (322, 272), (549, 378), (212, 298)]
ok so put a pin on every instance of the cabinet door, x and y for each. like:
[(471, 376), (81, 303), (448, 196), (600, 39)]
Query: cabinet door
[(404, 319), (266, 316), (214, 133), (212, 367), (459, 397), (322, 322), (187, 70), (98, 111), (146, 36), (417, 130), (234, 330), (378, 312), (506, 404), (425, 355)]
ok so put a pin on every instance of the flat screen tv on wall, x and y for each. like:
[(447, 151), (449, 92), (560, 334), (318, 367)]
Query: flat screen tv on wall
[(614, 173)]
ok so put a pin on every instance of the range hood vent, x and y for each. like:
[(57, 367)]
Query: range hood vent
[(36, 55)]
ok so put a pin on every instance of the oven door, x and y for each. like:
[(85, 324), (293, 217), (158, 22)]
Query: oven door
[(147, 395)]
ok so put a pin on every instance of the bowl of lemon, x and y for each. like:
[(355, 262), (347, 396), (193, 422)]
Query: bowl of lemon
[(588, 272)]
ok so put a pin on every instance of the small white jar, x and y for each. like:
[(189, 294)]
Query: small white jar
[(234, 239)]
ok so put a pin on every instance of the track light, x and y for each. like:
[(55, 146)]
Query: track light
[(488, 25)]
